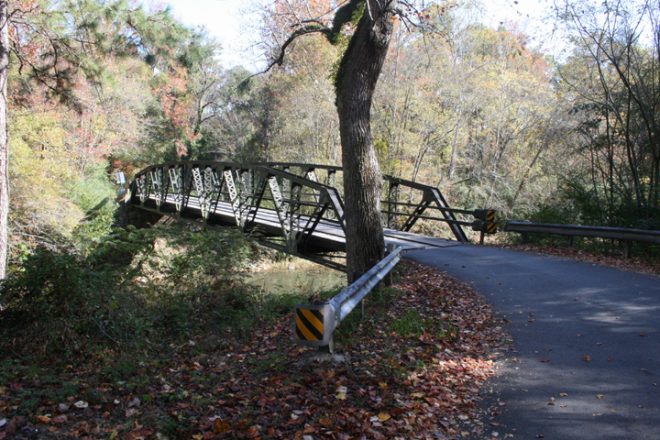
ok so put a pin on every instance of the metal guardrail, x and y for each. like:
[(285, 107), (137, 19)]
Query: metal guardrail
[(316, 323), (626, 235)]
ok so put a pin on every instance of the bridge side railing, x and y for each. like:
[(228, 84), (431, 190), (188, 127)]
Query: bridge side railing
[(222, 190), (405, 202), (315, 323)]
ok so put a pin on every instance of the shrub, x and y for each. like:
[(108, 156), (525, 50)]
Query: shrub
[(133, 288)]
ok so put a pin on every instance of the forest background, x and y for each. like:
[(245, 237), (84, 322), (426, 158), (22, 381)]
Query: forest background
[(467, 107)]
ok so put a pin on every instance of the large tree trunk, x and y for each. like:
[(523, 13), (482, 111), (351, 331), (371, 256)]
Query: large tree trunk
[(4, 171), (356, 80)]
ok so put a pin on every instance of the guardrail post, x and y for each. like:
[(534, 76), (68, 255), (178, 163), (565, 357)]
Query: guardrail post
[(525, 237), (330, 348)]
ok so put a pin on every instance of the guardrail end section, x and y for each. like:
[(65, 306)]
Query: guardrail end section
[(314, 324), (486, 221)]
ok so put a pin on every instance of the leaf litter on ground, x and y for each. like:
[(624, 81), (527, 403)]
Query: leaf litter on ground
[(411, 380)]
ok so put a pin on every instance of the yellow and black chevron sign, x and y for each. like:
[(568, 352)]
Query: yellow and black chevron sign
[(309, 324), (491, 225), (486, 221)]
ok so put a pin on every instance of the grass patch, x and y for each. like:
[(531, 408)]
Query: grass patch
[(413, 325)]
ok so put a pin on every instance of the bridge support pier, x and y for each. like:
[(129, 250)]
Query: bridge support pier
[(140, 218)]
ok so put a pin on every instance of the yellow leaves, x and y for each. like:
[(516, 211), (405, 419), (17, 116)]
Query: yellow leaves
[(379, 419), (341, 392), (383, 416), (40, 169)]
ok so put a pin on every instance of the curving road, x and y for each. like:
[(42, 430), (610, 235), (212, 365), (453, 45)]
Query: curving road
[(584, 335)]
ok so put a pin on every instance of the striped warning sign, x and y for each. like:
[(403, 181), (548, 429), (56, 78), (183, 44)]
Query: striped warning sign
[(491, 226), (309, 324)]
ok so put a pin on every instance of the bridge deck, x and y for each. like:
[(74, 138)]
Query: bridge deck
[(328, 235)]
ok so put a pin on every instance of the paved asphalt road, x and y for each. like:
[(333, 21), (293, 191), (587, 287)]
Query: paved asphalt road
[(588, 331)]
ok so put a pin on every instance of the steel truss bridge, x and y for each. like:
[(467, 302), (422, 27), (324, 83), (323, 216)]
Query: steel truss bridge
[(292, 207)]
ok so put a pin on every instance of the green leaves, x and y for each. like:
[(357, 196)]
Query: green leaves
[(350, 12)]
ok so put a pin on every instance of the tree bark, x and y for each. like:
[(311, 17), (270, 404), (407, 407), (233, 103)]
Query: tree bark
[(4, 142), (356, 80)]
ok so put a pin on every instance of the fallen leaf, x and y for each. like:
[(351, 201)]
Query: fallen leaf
[(253, 431), (139, 434), (135, 401), (59, 419), (221, 426), (384, 417), (81, 404), (43, 419), (586, 358)]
